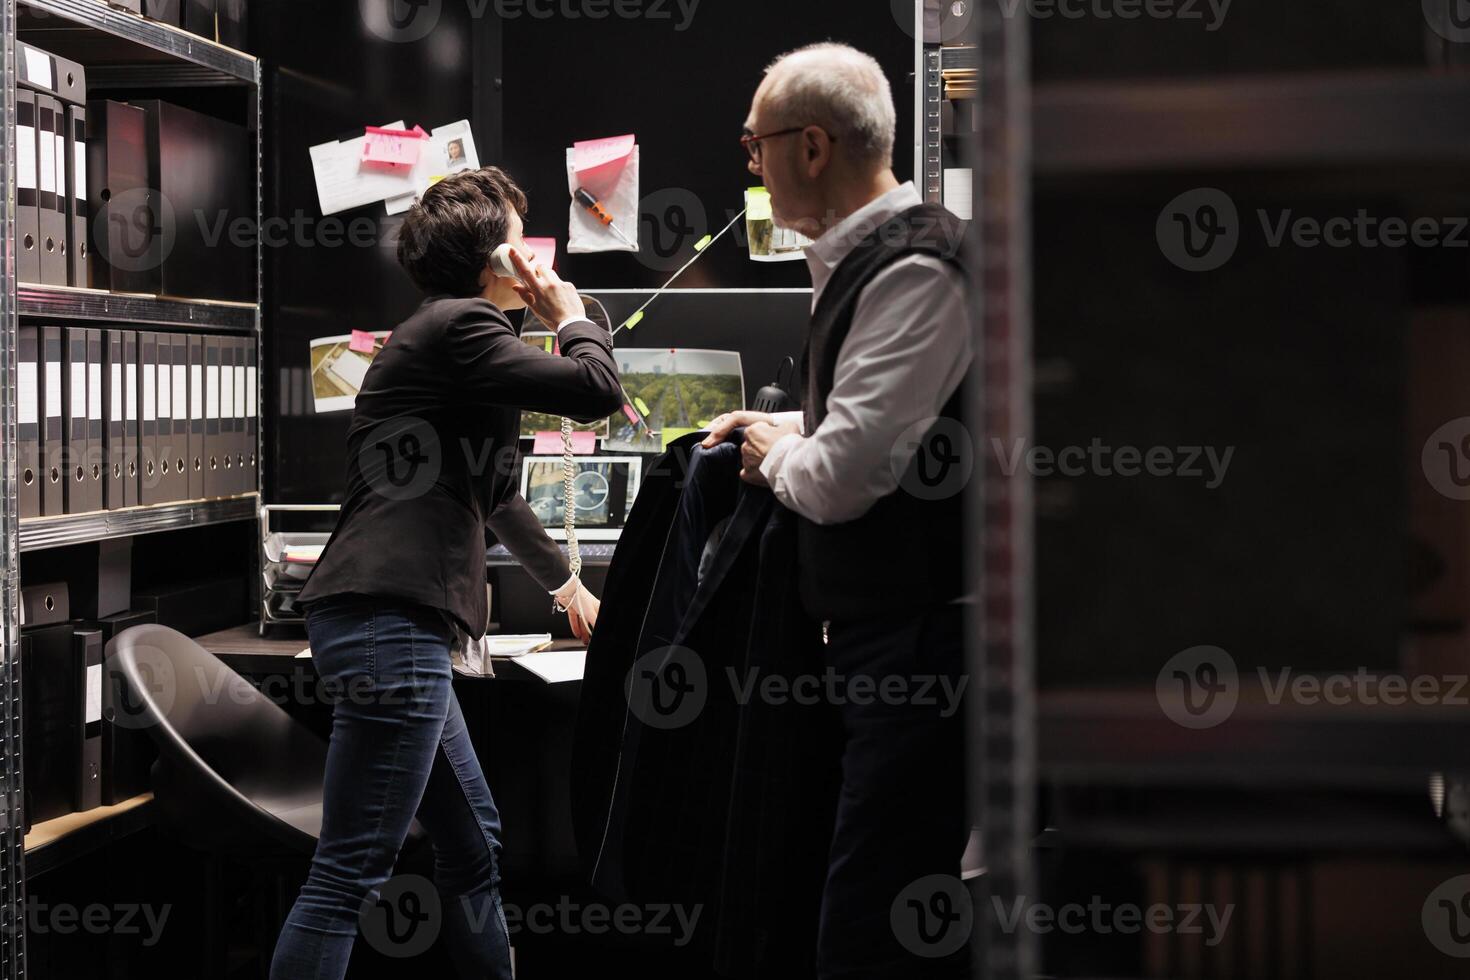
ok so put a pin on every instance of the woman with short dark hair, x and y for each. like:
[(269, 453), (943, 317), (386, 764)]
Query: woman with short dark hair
[(431, 454)]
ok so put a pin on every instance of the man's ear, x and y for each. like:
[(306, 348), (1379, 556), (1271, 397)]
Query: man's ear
[(817, 146)]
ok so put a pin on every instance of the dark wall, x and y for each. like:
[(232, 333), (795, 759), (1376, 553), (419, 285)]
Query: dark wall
[(328, 74)]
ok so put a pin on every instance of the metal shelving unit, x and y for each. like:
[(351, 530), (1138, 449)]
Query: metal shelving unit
[(121, 51)]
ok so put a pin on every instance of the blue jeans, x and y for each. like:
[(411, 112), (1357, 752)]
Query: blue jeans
[(399, 748)]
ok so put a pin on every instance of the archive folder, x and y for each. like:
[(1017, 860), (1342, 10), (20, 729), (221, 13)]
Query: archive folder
[(164, 11), (252, 416), (114, 497), (28, 422), (45, 72), (27, 190), (119, 198), (197, 457), (87, 649), (179, 478), (148, 475), (163, 393), (232, 373), (51, 201), (51, 740), (212, 451), (76, 196), (96, 428), (53, 424), (130, 418), (198, 17), (74, 418)]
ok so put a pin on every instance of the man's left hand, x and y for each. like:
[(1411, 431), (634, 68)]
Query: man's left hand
[(759, 438)]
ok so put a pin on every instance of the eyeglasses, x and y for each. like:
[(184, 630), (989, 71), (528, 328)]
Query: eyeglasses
[(752, 142)]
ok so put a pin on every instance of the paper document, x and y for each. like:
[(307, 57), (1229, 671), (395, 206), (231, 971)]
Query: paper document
[(556, 666), (343, 183), (450, 149)]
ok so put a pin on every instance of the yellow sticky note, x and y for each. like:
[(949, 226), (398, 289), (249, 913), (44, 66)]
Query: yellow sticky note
[(758, 204), (642, 406), (706, 423), (435, 180), (673, 432), (634, 320), (703, 243)]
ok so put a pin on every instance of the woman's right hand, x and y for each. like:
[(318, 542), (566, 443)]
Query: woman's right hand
[(545, 294)]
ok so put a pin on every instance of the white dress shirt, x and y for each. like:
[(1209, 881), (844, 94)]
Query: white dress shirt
[(905, 355)]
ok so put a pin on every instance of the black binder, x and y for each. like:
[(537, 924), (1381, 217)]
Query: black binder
[(130, 419), (179, 479), (88, 652), (96, 420), (197, 455), (150, 477), (51, 74), (51, 743), (44, 605), (114, 496), (199, 18), (233, 25), (51, 138), (230, 421), (164, 11), (213, 469), (74, 418), (53, 423), (164, 393), (119, 198), (28, 422), (127, 752), (27, 190), (76, 196), (252, 416)]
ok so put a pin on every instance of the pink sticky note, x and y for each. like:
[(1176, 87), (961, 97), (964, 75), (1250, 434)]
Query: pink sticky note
[(632, 415), (547, 444), (392, 147), (584, 443), (545, 249), (604, 156), (362, 342)]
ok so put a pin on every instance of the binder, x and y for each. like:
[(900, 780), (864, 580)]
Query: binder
[(228, 425), (52, 74), (76, 196), (50, 746), (127, 752), (27, 190), (149, 478), (96, 426), (179, 479), (130, 419), (199, 18), (28, 422), (117, 171), (74, 418), (114, 496), (52, 198), (197, 455), (87, 650), (164, 11), (252, 416), (212, 471), (53, 424), (43, 605), (163, 394), (237, 349), (232, 24)]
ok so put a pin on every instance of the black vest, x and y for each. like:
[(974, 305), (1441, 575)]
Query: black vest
[(907, 551)]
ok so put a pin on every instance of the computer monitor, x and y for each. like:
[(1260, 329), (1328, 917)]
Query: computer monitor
[(603, 491)]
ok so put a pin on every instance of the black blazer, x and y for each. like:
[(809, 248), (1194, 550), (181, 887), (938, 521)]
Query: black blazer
[(432, 456)]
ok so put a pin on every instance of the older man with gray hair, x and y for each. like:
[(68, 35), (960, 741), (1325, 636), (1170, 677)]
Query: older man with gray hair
[(873, 467)]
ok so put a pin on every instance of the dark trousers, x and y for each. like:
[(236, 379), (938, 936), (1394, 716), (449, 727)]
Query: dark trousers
[(901, 812), (399, 748)]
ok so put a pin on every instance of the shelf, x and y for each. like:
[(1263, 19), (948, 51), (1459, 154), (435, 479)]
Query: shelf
[(66, 303), (55, 532), (55, 842), (103, 37), (1308, 120)]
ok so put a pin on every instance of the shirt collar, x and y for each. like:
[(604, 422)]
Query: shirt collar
[(825, 254)]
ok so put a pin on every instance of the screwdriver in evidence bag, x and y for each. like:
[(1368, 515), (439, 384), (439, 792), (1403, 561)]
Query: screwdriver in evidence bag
[(592, 204)]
